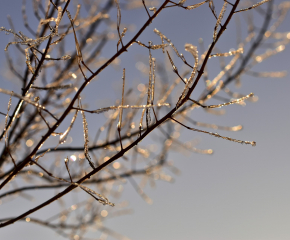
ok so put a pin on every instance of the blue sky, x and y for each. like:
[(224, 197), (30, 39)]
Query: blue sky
[(240, 192)]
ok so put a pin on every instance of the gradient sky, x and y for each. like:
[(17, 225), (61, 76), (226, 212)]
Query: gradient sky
[(240, 192)]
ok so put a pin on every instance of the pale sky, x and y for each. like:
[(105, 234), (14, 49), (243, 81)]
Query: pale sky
[(240, 192)]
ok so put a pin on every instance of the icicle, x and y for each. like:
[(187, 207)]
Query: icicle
[(218, 135), (230, 53), (220, 17), (254, 6), (121, 36), (153, 81), (63, 137), (141, 121), (86, 139), (193, 6), (238, 101), (149, 91), (39, 156), (122, 102), (193, 50)]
